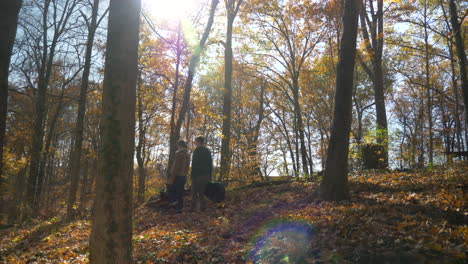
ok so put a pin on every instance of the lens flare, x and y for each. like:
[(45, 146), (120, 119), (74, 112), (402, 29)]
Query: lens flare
[(282, 241)]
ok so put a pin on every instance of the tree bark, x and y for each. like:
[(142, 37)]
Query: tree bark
[(194, 60), (461, 53), (45, 70), (300, 127), (111, 235), (232, 6), (50, 140), (85, 184), (175, 135), (9, 10), (374, 46), (428, 87), (140, 149), (75, 158), (334, 185)]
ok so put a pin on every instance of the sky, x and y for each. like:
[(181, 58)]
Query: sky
[(169, 9)]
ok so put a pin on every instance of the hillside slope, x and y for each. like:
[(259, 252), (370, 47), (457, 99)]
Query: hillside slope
[(391, 218)]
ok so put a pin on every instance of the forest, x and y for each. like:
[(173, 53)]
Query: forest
[(339, 129)]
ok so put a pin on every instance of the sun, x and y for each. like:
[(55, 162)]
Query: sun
[(169, 9)]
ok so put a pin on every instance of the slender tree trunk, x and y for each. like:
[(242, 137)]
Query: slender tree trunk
[(9, 10), (187, 126), (428, 87), (296, 147), (140, 149), (458, 126), (38, 133), (87, 186), (232, 7), (175, 135), (253, 145), (111, 235), (374, 46), (450, 43), (288, 141), (461, 53), (420, 131), (300, 127), (75, 159), (50, 140), (227, 101), (309, 145), (322, 150), (334, 185), (285, 161), (45, 70), (83, 188), (14, 214), (194, 60), (381, 113)]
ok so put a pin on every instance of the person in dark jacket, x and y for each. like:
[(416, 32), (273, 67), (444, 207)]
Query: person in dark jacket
[(202, 167), (178, 174)]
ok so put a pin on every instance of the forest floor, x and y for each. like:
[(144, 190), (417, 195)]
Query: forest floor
[(397, 217)]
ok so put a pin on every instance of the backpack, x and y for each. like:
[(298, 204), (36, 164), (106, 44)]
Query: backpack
[(215, 191)]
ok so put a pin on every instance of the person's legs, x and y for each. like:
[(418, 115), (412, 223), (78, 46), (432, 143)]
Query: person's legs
[(194, 194), (179, 184), (203, 183), (171, 193)]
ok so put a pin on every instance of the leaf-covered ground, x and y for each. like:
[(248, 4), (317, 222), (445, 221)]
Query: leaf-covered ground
[(391, 218)]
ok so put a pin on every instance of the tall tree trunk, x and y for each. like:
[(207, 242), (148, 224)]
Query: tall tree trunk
[(322, 149), (450, 43), (194, 60), (75, 159), (458, 125), (253, 143), (87, 185), (232, 7), (174, 137), (227, 101), (309, 145), (14, 214), (111, 235), (461, 53), (9, 10), (334, 185), (140, 149), (45, 70), (428, 86), (288, 139), (374, 47), (420, 131), (83, 188), (300, 127), (50, 140)]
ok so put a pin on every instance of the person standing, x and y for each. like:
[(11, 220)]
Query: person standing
[(178, 174), (202, 167)]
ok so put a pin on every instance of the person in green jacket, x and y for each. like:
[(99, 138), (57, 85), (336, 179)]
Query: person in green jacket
[(202, 167)]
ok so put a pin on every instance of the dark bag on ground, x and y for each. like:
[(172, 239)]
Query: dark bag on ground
[(162, 200), (215, 191)]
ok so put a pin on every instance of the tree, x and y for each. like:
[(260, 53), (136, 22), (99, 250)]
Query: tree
[(194, 60), (111, 235), (60, 12), (461, 53), (334, 185), (290, 41), (75, 157), (374, 47), (9, 10), (232, 8)]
